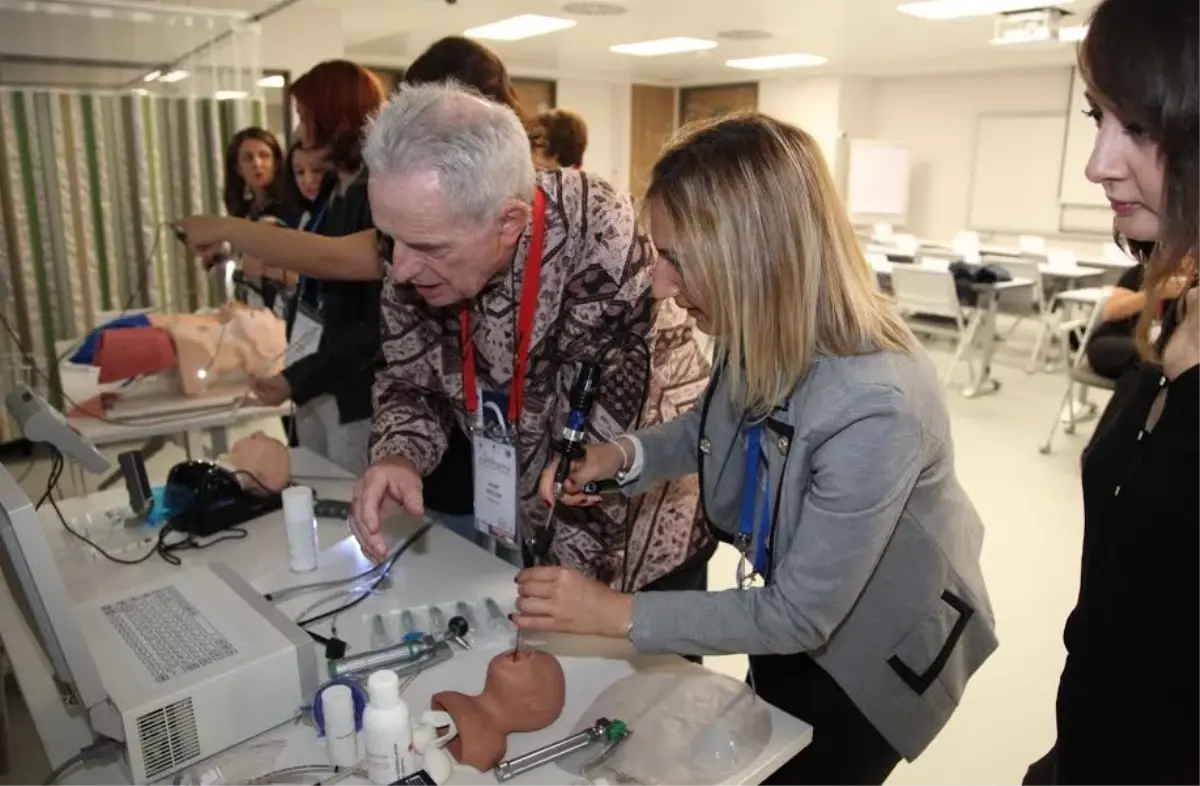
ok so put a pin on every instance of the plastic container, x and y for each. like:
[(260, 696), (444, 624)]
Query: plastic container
[(435, 760), (387, 731), (341, 738), (300, 524)]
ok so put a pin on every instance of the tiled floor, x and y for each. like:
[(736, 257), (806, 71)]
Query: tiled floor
[(1031, 506)]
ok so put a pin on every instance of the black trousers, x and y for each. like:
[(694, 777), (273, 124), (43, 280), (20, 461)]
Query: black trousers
[(692, 575), (846, 748), (1112, 356)]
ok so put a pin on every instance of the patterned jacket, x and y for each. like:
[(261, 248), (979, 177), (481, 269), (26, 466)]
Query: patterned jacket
[(595, 285)]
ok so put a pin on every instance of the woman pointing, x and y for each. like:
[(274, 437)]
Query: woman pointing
[(824, 452)]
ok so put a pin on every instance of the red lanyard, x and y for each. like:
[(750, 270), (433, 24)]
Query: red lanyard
[(528, 308)]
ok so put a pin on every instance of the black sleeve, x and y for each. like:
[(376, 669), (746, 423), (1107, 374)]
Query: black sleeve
[(349, 348), (1132, 278)]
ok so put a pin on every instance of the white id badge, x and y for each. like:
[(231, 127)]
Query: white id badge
[(496, 498), (306, 336)]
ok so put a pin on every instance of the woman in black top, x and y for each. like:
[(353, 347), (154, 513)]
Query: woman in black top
[(332, 385), (1112, 349), (1128, 706)]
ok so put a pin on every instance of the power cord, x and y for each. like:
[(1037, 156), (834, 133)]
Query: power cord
[(101, 749)]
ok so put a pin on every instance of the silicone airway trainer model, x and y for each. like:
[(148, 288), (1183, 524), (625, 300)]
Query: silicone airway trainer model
[(524, 691)]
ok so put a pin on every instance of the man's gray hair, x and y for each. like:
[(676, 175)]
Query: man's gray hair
[(478, 149)]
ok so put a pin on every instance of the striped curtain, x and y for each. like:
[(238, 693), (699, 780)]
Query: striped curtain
[(87, 181)]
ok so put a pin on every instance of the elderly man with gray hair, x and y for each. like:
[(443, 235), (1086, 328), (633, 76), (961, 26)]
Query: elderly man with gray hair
[(501, 283)]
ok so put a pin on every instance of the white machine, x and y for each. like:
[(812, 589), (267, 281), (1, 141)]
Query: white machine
[(177, 669)]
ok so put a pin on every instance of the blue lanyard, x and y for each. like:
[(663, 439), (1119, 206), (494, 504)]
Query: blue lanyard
[(313, 226), (745, 537)]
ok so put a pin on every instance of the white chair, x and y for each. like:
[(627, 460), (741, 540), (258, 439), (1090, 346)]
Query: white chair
[(926, 296), (906, 244), (1079, 372), (1061, 258), (882, 233), (966, 242)]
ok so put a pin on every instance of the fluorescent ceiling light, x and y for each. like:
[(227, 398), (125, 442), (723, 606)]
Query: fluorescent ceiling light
[(174, 76), (795, 60), (153, 75), (518, 27), (663, 46), (274, 80), (1074, 33), (957, 9), (229, 95)]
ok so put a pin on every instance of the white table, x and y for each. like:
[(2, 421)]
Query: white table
[(152, 410), (980, 338), (441, 567)]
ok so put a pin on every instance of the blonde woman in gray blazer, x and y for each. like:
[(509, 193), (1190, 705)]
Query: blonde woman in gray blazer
[(824, 452)]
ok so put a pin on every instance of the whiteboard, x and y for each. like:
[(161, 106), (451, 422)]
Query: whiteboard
[(1081, 131), (877, 183), (1014, 181)]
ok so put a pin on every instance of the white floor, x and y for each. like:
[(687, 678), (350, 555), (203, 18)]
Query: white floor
[(1033, 512)]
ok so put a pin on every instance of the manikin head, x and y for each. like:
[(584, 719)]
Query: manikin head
[(451, 184)]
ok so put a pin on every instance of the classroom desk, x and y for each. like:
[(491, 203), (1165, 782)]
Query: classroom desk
[(980, 339), (440, 567)]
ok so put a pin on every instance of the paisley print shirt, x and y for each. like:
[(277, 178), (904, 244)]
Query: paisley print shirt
[(594, 292)]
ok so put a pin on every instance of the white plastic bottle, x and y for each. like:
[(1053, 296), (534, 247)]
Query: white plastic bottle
[(387, 731)]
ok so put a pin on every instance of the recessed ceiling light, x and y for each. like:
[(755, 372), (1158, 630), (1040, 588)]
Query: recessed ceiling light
[(274, 80), (744, 35), (594, 9), (518, 27), (957, 9), (174, 76), (152, 76), (1029, 36), (768, 62), (663, 46)]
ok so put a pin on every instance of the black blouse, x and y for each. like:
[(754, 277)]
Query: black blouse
[(1129, 698)]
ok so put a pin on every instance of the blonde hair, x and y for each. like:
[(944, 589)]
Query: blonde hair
[(762, 237)]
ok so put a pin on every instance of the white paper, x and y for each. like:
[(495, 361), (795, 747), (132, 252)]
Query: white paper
[(496, 488)]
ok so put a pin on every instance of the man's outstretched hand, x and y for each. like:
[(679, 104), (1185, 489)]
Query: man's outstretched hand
[(389, 483)]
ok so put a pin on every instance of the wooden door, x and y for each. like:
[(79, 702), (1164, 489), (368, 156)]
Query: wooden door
[(534, 95), (652, 121), (703, 103)]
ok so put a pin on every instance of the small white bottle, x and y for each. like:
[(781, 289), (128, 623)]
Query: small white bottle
[(300, 526), (340, 736), (387, 731)]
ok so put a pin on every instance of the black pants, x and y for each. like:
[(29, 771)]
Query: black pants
[(846, 748), (1112, 356), (692, 575)]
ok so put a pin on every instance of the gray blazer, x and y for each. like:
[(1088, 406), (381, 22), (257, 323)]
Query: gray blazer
[(874, 544)]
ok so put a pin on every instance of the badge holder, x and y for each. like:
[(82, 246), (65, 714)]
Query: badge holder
[(497, 474), (305, 338)]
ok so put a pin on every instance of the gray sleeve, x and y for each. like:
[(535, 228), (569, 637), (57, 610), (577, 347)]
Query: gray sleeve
[(668, 451), (862, 472)]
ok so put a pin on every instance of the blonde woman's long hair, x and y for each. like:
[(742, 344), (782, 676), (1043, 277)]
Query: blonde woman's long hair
[(762, 237)]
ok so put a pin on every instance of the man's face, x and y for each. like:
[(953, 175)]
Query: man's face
[(447, 257)]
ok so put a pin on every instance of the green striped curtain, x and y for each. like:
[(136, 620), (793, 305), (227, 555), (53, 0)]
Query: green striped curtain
[(86, 182)]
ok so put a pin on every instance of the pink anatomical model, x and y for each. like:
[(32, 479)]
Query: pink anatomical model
[(238, 338), (523, 691), (265, 464)]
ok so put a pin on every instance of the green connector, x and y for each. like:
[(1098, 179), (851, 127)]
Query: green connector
[(616, 730)]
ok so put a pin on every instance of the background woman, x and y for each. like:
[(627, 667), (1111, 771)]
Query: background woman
[(253, 163), (824, 452), (333, 102), (565, 134), (1128, 707)]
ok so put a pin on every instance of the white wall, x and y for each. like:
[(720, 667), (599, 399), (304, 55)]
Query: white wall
[(813, 104), (936, 118), (605, 107), (299, 37)]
